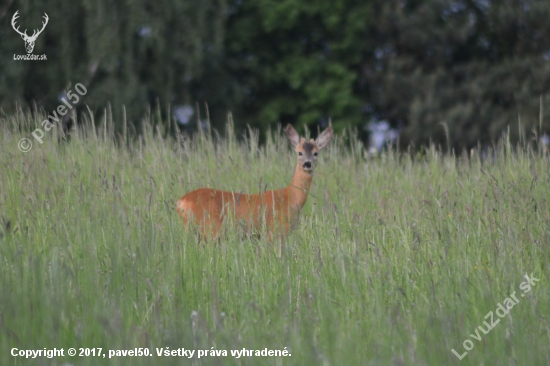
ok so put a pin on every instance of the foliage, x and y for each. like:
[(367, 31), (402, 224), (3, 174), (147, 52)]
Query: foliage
[(299, 61), (165, 52), (475, 67), (397, 260)]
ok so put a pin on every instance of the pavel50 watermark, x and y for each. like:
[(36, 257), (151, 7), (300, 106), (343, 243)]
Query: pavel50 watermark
[(501, 311), (25, 144)]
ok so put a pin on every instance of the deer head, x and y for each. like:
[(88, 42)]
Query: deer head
[(307, 151), (29, 41)]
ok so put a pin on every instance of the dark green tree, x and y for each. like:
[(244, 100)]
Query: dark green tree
[(298, 61), (167, 52), (474, 66)]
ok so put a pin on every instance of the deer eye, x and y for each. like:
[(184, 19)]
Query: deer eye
[(300, 153), (314, 154)]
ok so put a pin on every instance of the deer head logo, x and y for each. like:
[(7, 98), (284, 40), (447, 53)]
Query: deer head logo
[(29, 41)]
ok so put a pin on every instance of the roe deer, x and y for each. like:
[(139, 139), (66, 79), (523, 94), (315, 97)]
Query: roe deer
[(208, 207)]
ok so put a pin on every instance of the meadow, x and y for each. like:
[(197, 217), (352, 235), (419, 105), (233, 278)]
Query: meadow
[(398, 259)]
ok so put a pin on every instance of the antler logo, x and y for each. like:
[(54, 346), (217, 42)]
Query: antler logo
[(29, 41)]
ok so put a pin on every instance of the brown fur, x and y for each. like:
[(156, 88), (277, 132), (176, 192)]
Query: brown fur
[(280, 208)]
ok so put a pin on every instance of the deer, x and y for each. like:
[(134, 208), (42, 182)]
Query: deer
[(278, 209), (29, 41)]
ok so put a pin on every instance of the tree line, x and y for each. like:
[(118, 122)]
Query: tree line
[(447, 71)]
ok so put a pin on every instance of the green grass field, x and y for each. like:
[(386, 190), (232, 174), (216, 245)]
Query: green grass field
[(396, 260)]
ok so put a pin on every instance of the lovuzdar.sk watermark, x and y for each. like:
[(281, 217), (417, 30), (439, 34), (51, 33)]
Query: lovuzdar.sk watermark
[(502, 310), (29, 40), (30, 57)]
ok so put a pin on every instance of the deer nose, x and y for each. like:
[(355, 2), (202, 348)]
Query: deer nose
[(307, 164)]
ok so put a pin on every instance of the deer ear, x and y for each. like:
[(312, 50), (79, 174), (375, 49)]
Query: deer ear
[(324, 138), (292, 136)]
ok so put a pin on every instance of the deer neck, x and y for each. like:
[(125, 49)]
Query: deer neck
[(299, 187)]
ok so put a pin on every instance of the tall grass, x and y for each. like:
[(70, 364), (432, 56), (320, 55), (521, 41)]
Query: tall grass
[(396, 260)]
